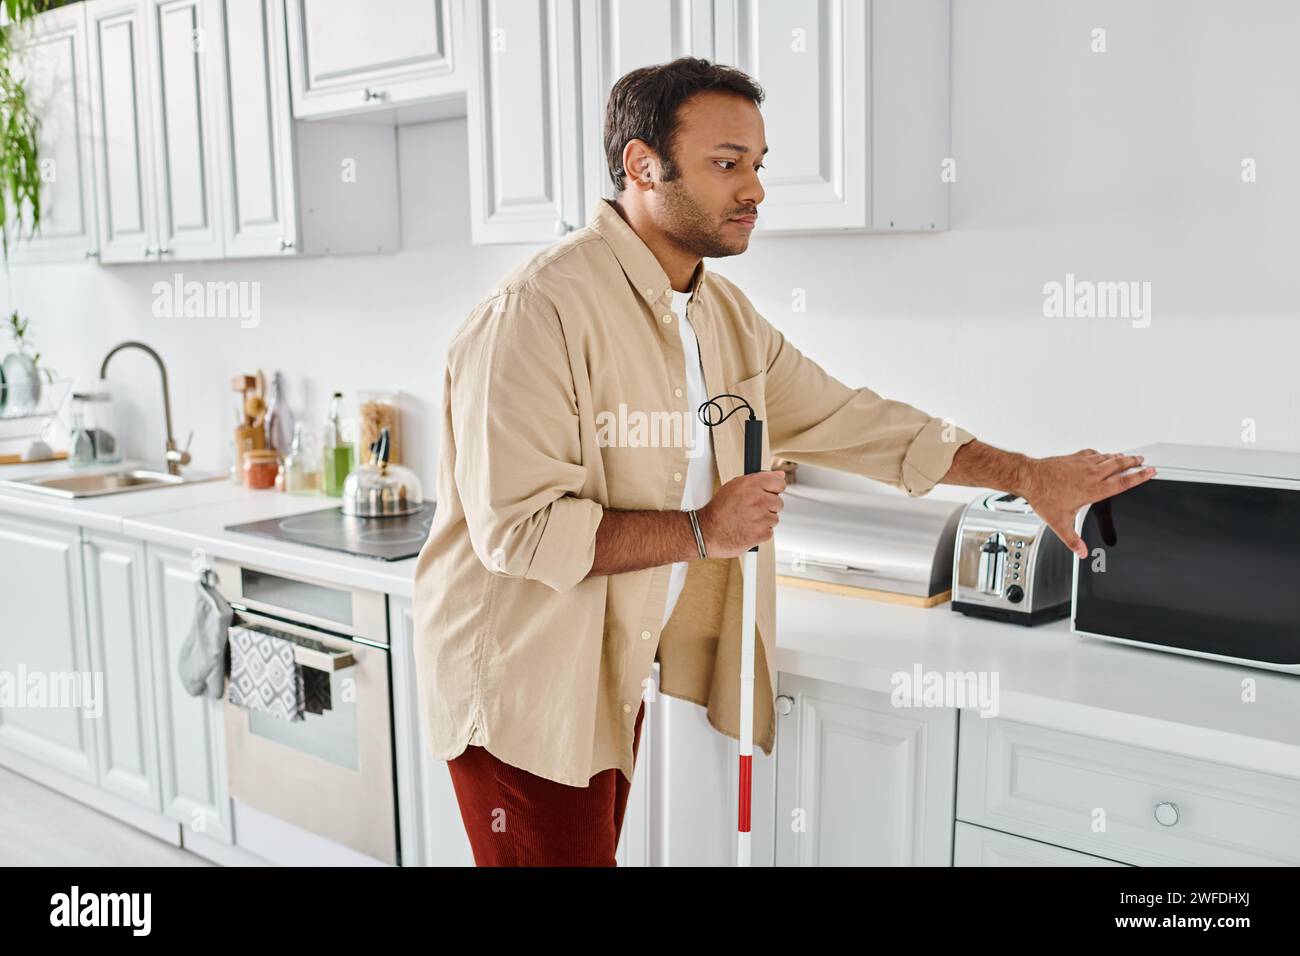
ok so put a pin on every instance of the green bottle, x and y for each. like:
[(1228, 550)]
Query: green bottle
[(336, 454)]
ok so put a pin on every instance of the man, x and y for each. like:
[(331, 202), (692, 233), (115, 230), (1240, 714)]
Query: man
[(564, 558)]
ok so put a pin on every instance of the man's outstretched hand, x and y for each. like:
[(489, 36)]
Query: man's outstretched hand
[(1056, 488)]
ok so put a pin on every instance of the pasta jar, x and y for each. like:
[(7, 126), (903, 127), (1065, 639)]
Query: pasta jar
[(375, 412), (260, 468)]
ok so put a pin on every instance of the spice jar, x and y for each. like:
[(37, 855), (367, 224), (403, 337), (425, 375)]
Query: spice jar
[(260, 468), (377, 411)]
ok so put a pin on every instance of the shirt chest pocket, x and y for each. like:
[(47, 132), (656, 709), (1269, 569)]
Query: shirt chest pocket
[(752, 390)]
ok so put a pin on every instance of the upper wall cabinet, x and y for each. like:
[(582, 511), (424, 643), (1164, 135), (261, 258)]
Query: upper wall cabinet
[(348, 57), (151, 88), (55, 68), (196, 152), (256, 145), (182, 35), (525, 133), (856, 109), (622, 35), (128, 229)]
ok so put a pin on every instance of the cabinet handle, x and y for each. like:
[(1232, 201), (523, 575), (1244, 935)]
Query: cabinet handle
[(1166, 813), (150, 251), (561, 227), (784, 704), (286, 244), (369, 95), (164, 251), (92, 253)]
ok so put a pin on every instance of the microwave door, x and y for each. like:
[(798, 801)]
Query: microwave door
[(1196, 566)]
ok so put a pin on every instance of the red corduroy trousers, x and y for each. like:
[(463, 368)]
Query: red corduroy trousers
[(515, 818)]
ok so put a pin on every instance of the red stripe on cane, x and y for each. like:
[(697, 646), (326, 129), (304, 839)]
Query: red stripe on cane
[(746, 779)]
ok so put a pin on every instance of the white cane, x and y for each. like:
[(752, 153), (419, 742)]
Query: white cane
[(749, 604)]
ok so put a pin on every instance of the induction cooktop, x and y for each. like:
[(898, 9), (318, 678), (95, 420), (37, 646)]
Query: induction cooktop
[(384, 539)]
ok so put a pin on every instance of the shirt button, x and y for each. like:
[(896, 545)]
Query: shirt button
[(668, 318), (627, 708), (645, 635), (677, 476), (650, 292), (677, 392)]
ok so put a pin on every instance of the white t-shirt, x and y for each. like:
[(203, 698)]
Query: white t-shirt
[(699, 439)]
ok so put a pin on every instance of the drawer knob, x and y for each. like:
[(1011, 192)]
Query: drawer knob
[(1166, 813), (784, 704)]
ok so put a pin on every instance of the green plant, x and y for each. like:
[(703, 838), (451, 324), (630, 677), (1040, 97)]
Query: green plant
[(20, 171), (18, 332)]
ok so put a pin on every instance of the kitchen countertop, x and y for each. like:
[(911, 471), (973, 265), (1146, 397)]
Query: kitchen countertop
[(195, 516), (1046, 675), (1050, 677)]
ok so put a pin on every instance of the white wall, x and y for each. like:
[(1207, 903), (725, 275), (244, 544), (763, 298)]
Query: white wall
[(1117, 166)]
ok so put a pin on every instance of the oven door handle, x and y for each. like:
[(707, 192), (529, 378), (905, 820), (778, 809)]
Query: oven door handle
[(323, 658)]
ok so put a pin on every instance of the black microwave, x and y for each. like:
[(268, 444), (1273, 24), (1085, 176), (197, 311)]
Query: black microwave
[(1203, 559)]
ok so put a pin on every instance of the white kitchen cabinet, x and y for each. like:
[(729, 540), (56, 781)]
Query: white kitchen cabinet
[(154, 137), (122, 126), (191, 730), (182, 36), (861, 782), (525, 132), (1122, 802), (196, 152), (117, 615), (690, 773), (619, 36), (43, 643), (432, 832), (55, 67), (349, 57), (287, 188), (856, 109), (978, 846), (255, 148)]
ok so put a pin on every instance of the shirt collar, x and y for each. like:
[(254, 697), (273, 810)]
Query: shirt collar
[(639, 263)]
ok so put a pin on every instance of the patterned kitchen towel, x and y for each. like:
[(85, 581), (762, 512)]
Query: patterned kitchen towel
[(316, 690), (263, 675)]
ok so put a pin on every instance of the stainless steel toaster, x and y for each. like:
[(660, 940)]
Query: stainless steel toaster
[(1008, 565)]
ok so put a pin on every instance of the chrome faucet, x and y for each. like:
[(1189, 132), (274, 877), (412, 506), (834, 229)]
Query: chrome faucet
[(173, 456)]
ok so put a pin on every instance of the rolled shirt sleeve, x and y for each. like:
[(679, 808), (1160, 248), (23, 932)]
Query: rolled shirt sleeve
[(516, 429), (816, 419)]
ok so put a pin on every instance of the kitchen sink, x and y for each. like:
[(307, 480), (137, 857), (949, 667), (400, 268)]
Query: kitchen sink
[(65, 485)]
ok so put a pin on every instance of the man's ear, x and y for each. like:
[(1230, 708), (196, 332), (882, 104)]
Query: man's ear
[(640, 165)]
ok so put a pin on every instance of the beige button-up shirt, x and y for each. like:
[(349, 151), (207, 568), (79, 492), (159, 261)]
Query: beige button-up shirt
[(564, 394)]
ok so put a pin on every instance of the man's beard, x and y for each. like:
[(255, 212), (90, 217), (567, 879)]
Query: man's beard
[(691, 228)]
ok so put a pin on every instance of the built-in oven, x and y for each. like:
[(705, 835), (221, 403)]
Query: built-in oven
[(330, 773)]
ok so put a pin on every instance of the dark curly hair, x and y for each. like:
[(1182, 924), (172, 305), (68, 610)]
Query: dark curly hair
[(643, 105)]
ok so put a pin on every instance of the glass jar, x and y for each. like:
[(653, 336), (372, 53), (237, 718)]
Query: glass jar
[(302, 464), (261, 465), (377, 411), (94, 411), (81, 442)]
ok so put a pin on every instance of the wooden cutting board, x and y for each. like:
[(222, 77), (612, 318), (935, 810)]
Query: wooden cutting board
[(20, 460)]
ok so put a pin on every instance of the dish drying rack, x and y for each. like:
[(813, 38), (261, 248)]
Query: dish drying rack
[(40, 421)]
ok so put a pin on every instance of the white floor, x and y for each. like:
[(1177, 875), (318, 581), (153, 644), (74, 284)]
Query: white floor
[(39, 827)]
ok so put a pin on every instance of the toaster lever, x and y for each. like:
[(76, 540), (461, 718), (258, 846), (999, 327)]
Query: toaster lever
[(993, 563)]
